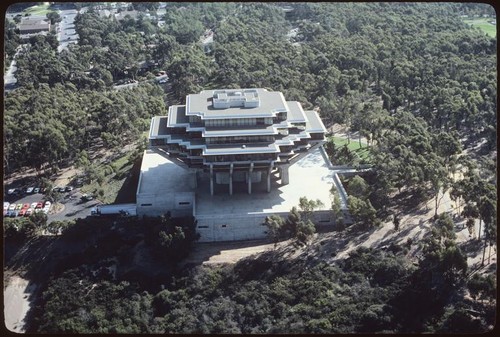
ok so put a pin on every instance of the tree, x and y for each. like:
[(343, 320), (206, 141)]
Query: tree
[(487, 210), (358, 187), (307, 207), (442, 256), (274, 224), (362, 211), (482, 286), (396, 221), (53, 17)]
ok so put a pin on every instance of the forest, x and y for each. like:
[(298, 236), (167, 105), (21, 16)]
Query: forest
[(412, 78)]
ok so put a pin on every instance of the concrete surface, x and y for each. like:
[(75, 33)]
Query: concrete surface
[(164, 186), (224, 217)]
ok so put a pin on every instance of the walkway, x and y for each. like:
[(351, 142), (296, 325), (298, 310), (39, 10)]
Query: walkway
[(336, 170)]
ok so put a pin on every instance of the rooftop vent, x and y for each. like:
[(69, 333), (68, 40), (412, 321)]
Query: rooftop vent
[(223, 99)]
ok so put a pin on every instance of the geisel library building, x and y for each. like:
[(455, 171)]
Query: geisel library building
[(232, 157)]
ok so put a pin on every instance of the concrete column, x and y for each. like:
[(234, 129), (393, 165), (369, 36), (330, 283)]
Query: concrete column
[(250, 178), (269, 180), (231, 179), (211, 179), (194, 178), (285, 179)]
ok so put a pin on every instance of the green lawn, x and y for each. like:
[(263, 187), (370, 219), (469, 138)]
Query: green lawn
[(361, 151), (38, 9), (484, 25)]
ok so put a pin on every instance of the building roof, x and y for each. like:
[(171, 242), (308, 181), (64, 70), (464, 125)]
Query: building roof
[(159, 174), (158, 127), (121, 15), (314, 123), (296, 113), (177, 115), (34, 25), (248, 103)]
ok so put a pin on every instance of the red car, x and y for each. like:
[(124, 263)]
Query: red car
[(39, 205), (26, 206), (22, 212)]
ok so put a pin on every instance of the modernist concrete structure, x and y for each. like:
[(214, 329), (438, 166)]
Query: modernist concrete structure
[(237, 135), (232, 157)]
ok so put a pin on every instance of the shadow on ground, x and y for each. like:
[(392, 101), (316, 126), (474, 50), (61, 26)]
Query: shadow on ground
[(127, 193)]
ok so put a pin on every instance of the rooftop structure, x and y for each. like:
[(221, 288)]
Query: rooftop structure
[(34, 26), (237, 135)]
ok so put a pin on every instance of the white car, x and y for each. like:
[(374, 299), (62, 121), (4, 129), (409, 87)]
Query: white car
[(11, 191), (47, 204), (33, 205), (29, 190), (6, 205)]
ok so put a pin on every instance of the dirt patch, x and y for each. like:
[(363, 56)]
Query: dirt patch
[(57, 208), (18, 298), (66, 175), (231, 252)]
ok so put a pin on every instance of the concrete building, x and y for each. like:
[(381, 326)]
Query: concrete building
[(237, 135), (33, 26), (164, 186), (232, 157)]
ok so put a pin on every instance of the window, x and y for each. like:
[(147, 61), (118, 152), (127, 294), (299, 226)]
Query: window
[(146, 204), (184, 203), (202, 226)]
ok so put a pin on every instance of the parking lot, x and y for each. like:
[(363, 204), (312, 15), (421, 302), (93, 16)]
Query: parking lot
[(72, 205)]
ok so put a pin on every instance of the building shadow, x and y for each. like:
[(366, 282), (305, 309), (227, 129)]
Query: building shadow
[(127, 193)]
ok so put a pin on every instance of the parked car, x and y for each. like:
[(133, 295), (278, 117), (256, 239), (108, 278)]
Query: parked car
[(6, 205), (33, 205), (19, 206), (12, 207), (29, 211), (87, 197), (29, 190), (26, 206), (48, 204), (13, 214), (11, 191), (36, 190), (69, 188), (39, 205), (22, 212)]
